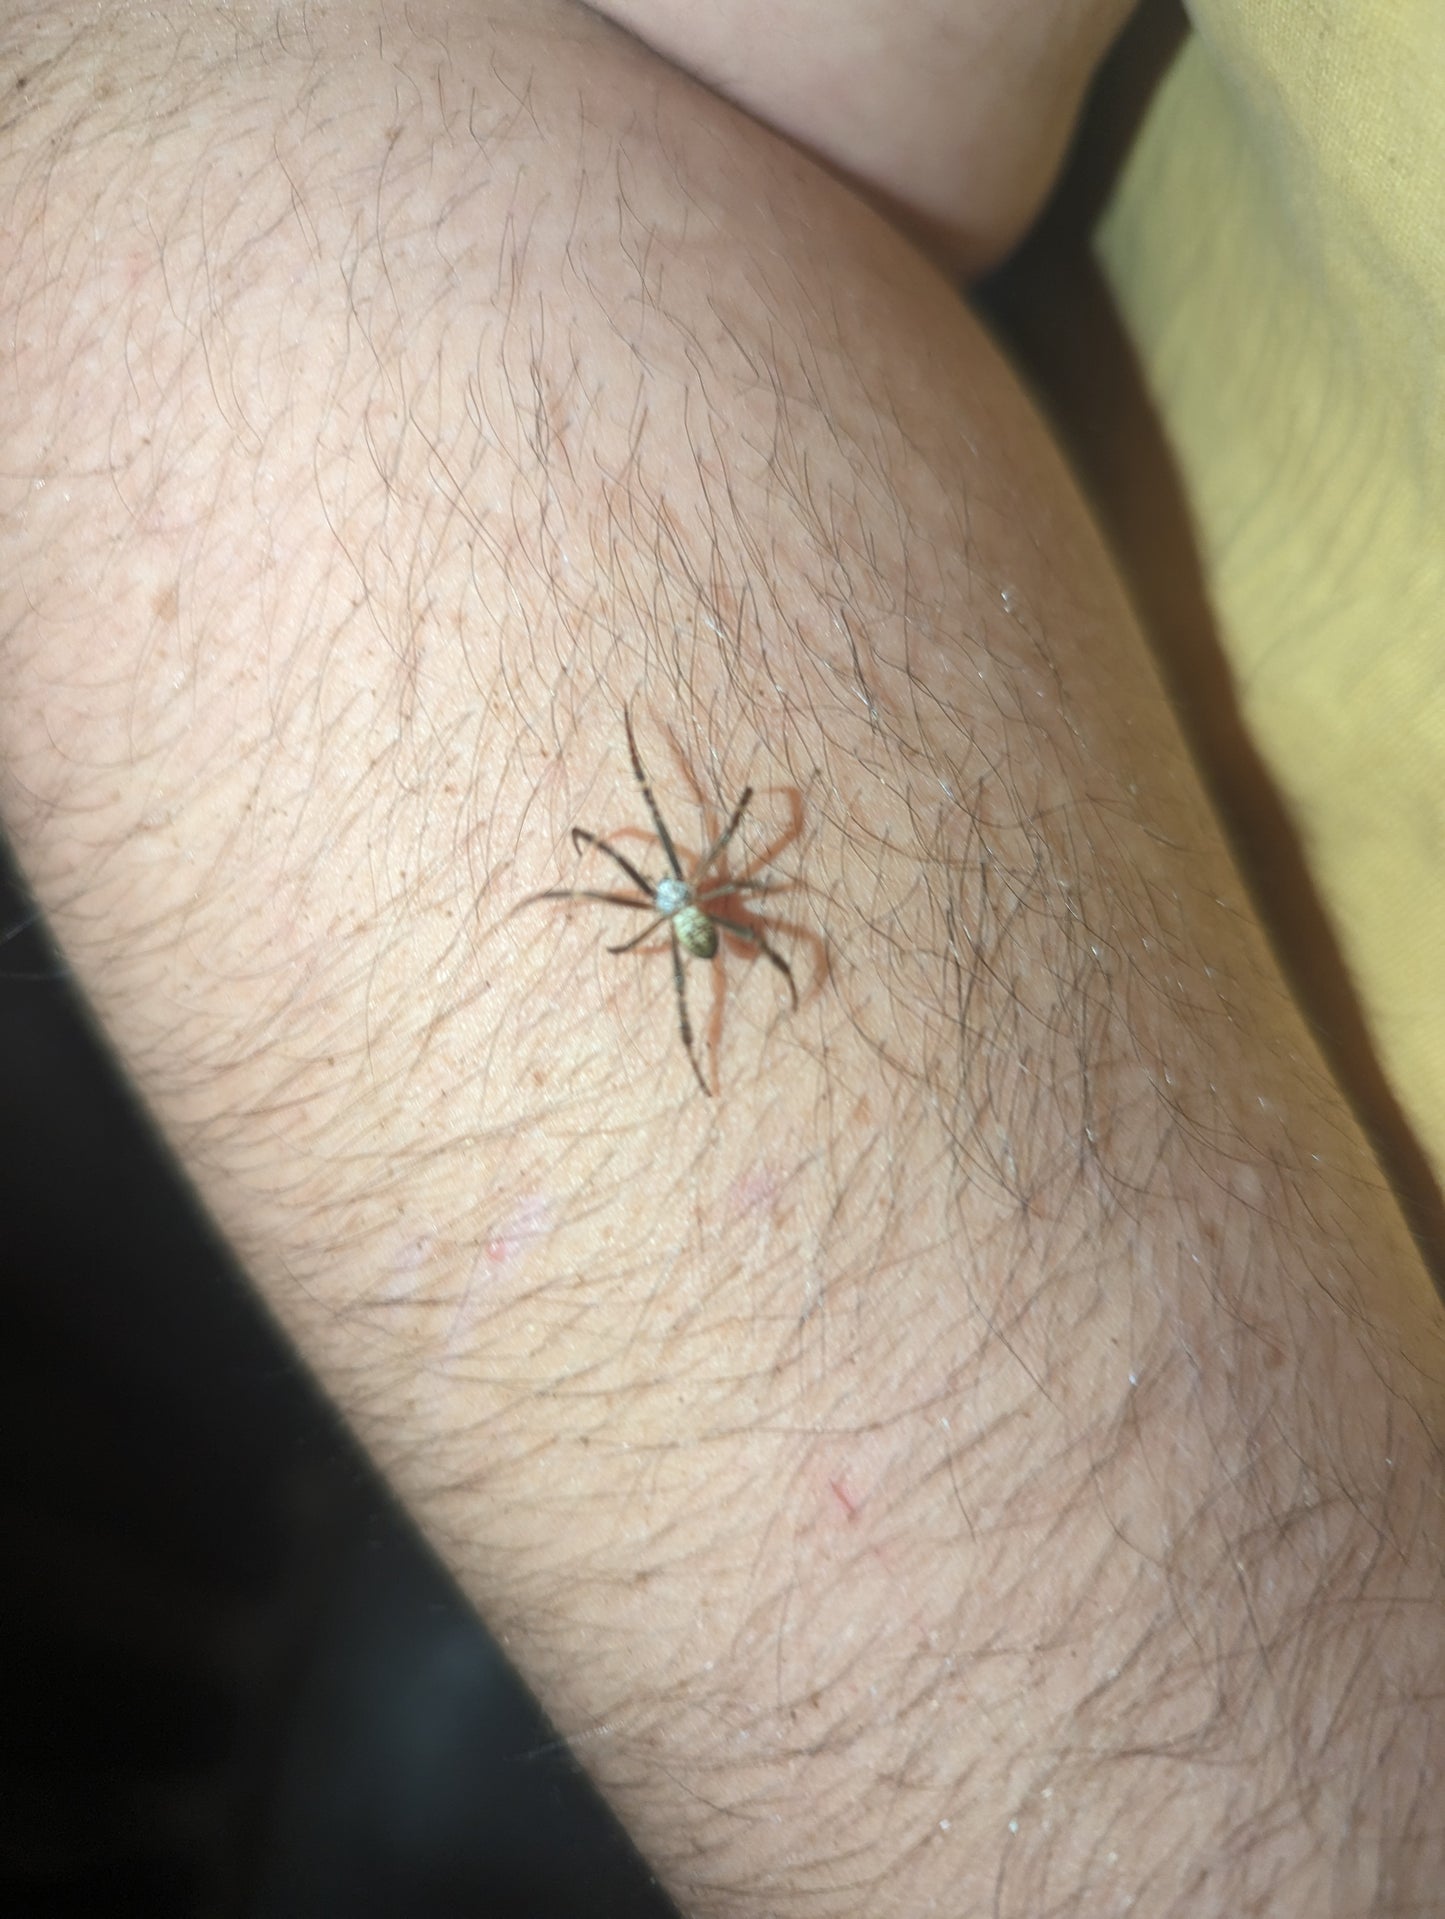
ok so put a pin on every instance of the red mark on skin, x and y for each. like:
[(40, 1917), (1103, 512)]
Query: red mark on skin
[(503, 1251), (755, 1191), (511, 1239), (840, 1492), (895, 1577)]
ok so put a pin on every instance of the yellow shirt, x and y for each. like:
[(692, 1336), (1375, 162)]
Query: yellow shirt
[(1276, 245)]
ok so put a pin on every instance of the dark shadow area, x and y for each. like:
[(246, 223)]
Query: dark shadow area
[(1053, 310), (236, 1684)]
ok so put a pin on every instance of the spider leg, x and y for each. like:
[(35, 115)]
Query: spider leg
[(768, 952), (646, 933), (725, 883), (581, 837), (684, 1023), (722, 839), (664, 837), (582, 893)]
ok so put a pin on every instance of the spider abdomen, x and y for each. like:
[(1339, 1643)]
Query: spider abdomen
[(696, 933)]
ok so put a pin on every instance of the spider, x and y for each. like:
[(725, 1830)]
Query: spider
[(680, 901)]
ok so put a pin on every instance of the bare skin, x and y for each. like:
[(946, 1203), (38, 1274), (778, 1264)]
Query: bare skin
[(953, 114), (987, 1460)]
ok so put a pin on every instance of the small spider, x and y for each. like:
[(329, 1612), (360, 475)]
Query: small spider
[(680, 901)]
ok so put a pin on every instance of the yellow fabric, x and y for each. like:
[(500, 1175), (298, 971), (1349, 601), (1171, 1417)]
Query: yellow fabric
[(1277, 248)]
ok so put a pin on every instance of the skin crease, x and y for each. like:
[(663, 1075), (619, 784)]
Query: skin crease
[(986, 1459), (953, 117)]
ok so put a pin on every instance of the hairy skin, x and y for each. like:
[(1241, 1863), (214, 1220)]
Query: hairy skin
[(985, 1461)]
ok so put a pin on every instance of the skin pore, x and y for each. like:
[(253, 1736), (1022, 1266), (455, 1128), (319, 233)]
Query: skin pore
[(987, 1458)]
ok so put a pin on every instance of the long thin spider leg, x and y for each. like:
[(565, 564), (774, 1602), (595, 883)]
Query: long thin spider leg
[(581, 837), (682, 1019), (722, 839), (725, 883), (583, 893), (646, 933), (768, 952), (664, 837)]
